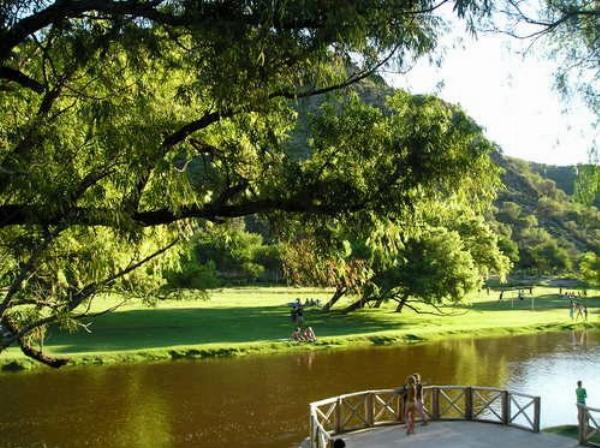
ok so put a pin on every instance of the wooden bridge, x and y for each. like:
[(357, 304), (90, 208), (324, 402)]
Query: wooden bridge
[(366, 419)]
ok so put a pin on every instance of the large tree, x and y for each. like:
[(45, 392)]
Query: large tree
[(122, 123)]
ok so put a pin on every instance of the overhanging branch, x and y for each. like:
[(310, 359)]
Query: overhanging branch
[(10, 74), (20, 214)]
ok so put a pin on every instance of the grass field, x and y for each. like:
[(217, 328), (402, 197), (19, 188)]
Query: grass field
[(241, 321)]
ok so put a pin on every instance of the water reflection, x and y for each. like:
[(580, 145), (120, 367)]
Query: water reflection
[(262, 402)]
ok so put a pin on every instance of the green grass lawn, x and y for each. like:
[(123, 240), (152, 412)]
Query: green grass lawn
[(248, 320), (571, 431)]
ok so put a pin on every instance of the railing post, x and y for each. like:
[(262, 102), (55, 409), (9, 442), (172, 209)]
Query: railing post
[(469, 403), (505, 407), (400, 415), (435, 403), (312, 430), (338, 416), (536, 414), (582, 423), (369, 410)]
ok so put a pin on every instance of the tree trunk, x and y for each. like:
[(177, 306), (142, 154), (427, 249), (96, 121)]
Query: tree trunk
[(384, 295), (337, 295), (360, 303), (401, 303), (29, 351)]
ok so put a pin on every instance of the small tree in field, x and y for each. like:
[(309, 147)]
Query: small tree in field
[(431, 268), (589, 267)]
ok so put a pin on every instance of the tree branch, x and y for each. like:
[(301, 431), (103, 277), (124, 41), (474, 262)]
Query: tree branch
[(353, 79), (20, 214), (21, 78)]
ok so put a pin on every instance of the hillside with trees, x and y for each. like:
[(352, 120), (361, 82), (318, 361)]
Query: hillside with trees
[(542, 228), (538, 224)]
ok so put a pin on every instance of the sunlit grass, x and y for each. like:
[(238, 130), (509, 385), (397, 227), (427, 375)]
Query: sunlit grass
[(239, 321)]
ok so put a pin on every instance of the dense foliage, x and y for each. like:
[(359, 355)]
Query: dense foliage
[(125, 126), (378, 256), (227, 255)]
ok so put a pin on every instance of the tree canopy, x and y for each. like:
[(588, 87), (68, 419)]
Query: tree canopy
[(124, 124)]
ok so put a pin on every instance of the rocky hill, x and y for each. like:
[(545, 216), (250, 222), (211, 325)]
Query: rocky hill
[(538, 214)]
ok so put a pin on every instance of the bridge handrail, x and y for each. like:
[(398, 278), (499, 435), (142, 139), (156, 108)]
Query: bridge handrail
[(589, 425), (360, 410)]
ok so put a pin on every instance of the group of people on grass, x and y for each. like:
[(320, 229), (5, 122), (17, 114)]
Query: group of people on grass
[(573, 294), (304, 335), (312, 302), (301, 333), (577, 310)]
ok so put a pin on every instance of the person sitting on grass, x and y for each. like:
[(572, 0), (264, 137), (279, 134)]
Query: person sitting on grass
[(309, 335), (297, 335)]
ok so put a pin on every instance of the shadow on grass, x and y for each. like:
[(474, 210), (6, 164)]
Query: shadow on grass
[(157, 328)]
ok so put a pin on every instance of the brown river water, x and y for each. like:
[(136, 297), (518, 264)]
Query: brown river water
[(262, 402)]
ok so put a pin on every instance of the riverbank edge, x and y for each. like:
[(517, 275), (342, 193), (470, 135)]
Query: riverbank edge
[(273, 347), (571, 431)]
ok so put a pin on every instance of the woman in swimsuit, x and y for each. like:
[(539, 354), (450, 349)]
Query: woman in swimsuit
[(419, 400), (410, 404)]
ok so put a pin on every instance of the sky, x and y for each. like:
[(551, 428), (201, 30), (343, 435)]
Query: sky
[(510, 95)]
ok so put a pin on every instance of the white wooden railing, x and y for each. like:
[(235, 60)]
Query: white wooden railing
[(589, 429), (368, 409)]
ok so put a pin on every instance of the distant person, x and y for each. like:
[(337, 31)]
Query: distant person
[(410, 405), (585, 312), (420, 406), (572, 310), (297, 335), (579, 312), (521, 295), (309, 335), (293, 314), (339, 443), (300, 315), (581, 395), (294, 311)]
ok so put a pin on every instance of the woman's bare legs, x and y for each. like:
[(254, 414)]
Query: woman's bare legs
[(421, 411), (410, 419)]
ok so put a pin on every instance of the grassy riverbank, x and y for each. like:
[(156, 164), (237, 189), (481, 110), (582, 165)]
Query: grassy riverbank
[(242, 321)]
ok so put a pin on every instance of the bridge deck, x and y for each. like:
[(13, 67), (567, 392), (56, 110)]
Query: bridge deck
[(459, 434)]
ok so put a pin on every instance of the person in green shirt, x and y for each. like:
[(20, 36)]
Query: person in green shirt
[(581, 394)]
